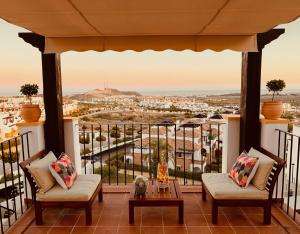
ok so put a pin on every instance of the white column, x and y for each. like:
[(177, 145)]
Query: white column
[(36, 143), (72, 146), (269, 141), (231, 141), (36, 140)]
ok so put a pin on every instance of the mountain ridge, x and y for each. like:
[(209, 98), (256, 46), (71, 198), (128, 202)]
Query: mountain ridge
[(100, 93)]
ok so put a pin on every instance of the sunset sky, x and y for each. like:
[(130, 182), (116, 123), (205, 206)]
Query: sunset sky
[(21, 63)]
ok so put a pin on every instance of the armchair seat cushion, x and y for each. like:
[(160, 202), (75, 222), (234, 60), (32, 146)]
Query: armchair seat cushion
[(82, 190), (221, 186)]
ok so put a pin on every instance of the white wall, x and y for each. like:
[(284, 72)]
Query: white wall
[(231, 142)]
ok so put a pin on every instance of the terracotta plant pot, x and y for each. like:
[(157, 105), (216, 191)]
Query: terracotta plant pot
[(272, 110), (30, 112)]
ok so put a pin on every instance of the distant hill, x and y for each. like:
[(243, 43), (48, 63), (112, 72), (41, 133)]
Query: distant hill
[(98, 93)]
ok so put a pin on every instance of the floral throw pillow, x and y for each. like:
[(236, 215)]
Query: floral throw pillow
[(244, 169), (64, 171)]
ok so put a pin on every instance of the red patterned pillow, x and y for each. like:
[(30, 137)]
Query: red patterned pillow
[(64, 171), (244, 169)]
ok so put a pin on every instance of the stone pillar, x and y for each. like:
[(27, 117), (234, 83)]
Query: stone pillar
[(72, 146), (269, 141), (231, 141)]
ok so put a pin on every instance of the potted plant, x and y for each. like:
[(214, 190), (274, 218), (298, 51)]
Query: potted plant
[(30, 112), (273, 109)]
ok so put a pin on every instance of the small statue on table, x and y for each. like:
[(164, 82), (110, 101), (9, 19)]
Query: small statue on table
[(140, 185)]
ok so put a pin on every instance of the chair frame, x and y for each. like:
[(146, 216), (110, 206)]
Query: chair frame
[(39, 205), (265, 204)]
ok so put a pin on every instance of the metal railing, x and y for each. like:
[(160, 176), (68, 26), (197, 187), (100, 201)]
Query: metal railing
[(13, 188), (120, 152), (287, 188)]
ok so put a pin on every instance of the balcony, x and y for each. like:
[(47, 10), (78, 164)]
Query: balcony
[(177, 27), (131, 149)]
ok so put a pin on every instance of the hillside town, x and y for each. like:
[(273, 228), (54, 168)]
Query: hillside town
[(96, 104)]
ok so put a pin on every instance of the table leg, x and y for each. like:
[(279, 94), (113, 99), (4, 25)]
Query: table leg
[(181, 212), (131, 212)]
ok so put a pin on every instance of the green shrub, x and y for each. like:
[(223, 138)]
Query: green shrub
[(85, 118), (84, 139), (115, 134), (85, 151), (103, 138), (10, 158), (8, 177)]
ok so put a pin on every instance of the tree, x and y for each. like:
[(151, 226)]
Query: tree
[(116, 161), (29, 90), (275, 86)]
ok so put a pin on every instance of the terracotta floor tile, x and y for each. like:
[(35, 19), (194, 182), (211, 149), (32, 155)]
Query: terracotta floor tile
[(152, 230), (152, 220), (293, 230), (108, 220), (175, 230), (271, 230), (60, 230), (73, 211), (252, 210), (195, 220), (205, 207), (222, 220), (129, 230), (246, 230), (231, 210), (67, 220), (221, 230), (283, 219), (111, 211), (124, 220), (257, 220), (83, 230), (14, 229), (238, 220), (49, 219), (193, 209), (198, 230), (106, 230), (37, 230), (81, 220), (171, 220), (170, 210)]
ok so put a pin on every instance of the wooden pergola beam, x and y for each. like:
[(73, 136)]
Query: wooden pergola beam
[(52, 92), (250, 91)]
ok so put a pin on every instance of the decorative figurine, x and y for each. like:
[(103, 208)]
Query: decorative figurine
[(140, 185), (162, 175)]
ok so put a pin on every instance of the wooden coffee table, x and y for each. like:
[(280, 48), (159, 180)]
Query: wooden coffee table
[(170, 197)]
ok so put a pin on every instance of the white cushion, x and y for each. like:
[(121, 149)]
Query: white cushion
[(221, 186), (264, 169), (39, 169), (82, 190)]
